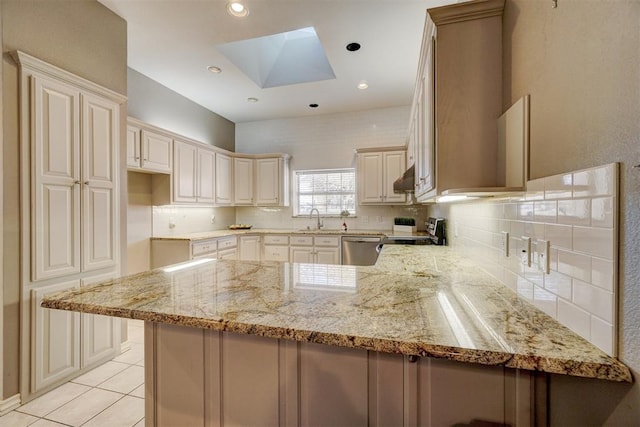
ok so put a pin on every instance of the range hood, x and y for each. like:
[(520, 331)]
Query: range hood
[(406, 183)]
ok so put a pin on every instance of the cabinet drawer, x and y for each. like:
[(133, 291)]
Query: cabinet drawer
[(227, 242), (276, 240), (203, 247), (302, 240), (333, 241)]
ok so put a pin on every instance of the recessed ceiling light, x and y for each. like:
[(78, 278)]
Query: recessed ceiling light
[(214, 69), (363, 85), (313, 105), (235, 8), (253, 100), (353, 46)]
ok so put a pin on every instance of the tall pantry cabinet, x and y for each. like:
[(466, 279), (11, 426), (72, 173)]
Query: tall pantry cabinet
[(70, 135)]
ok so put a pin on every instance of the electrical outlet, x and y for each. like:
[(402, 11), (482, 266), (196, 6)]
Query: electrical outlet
[(213, 219), (543, 248), (504, 243), (172, 222), (525, 253)]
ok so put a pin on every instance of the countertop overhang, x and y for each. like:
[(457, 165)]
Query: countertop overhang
[(417, 300)]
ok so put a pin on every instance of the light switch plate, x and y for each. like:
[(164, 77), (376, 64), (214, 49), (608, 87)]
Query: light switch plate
[(543, 247), (504, 243), (525, 253)]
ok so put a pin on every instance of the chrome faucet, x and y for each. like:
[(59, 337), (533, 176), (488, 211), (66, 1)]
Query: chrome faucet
[(319, 225)]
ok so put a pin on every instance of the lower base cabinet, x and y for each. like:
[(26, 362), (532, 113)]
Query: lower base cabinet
[(65, 342), (287, 383)]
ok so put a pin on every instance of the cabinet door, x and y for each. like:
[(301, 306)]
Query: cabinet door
[(184, 172), (56, 339), (301, 254), (242, 181), (133, 147), (100, 225), (425, 122), (370, 177), (327, 255), (206, 176), (268, 181), (223, 179), (55, 227), (394, 165), (250, 248), (276, 253), (100, 334), (156, 152)]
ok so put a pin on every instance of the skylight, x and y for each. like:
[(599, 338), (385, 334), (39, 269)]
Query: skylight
[(281, 59)]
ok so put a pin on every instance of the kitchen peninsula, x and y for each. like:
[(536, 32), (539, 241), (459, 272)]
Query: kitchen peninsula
[(237, 342)]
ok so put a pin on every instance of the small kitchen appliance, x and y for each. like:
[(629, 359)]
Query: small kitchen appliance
[(435, 235)]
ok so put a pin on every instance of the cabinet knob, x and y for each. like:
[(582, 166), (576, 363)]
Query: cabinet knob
[(76, 182)]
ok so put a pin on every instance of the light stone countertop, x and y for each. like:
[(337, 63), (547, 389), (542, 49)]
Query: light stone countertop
[(417, 300)]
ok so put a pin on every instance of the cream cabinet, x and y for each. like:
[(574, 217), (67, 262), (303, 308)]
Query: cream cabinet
[(261, 181), (272, 181), (315, 249), (275, 248), (148, 151), (193, 173), (184, 172), (377, 170), (74, 204), (171, 251), (457, 100), (69, 224), (243, 181), (100, 334), (250, 248), (66, 342), (224, 179), (56, 339)]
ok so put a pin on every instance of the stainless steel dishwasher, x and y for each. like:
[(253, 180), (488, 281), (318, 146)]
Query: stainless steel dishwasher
[(359, 250)]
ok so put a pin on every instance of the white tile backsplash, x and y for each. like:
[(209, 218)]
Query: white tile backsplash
[(577, 213), (574, 318), (597, 242)]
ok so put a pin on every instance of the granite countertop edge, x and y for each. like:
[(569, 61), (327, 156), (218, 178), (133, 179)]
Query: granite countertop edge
[(612, 371)]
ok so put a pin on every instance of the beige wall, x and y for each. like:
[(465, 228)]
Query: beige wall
[(80, 36), (581, 64), (158, 105)]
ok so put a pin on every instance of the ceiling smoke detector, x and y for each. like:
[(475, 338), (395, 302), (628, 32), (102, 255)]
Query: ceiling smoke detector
[(353, 46), (237, 9), (214, 69)]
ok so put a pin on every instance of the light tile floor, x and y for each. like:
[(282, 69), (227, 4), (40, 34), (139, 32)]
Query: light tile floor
[(111, 395)]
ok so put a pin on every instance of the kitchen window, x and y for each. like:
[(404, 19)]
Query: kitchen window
[(331, 191)]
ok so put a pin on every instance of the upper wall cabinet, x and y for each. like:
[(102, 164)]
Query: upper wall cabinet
[(148, 150), (202, 174), (272, 181), (457, 101), (193, 177), (224, 179), (377, 170), (243, 181)]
